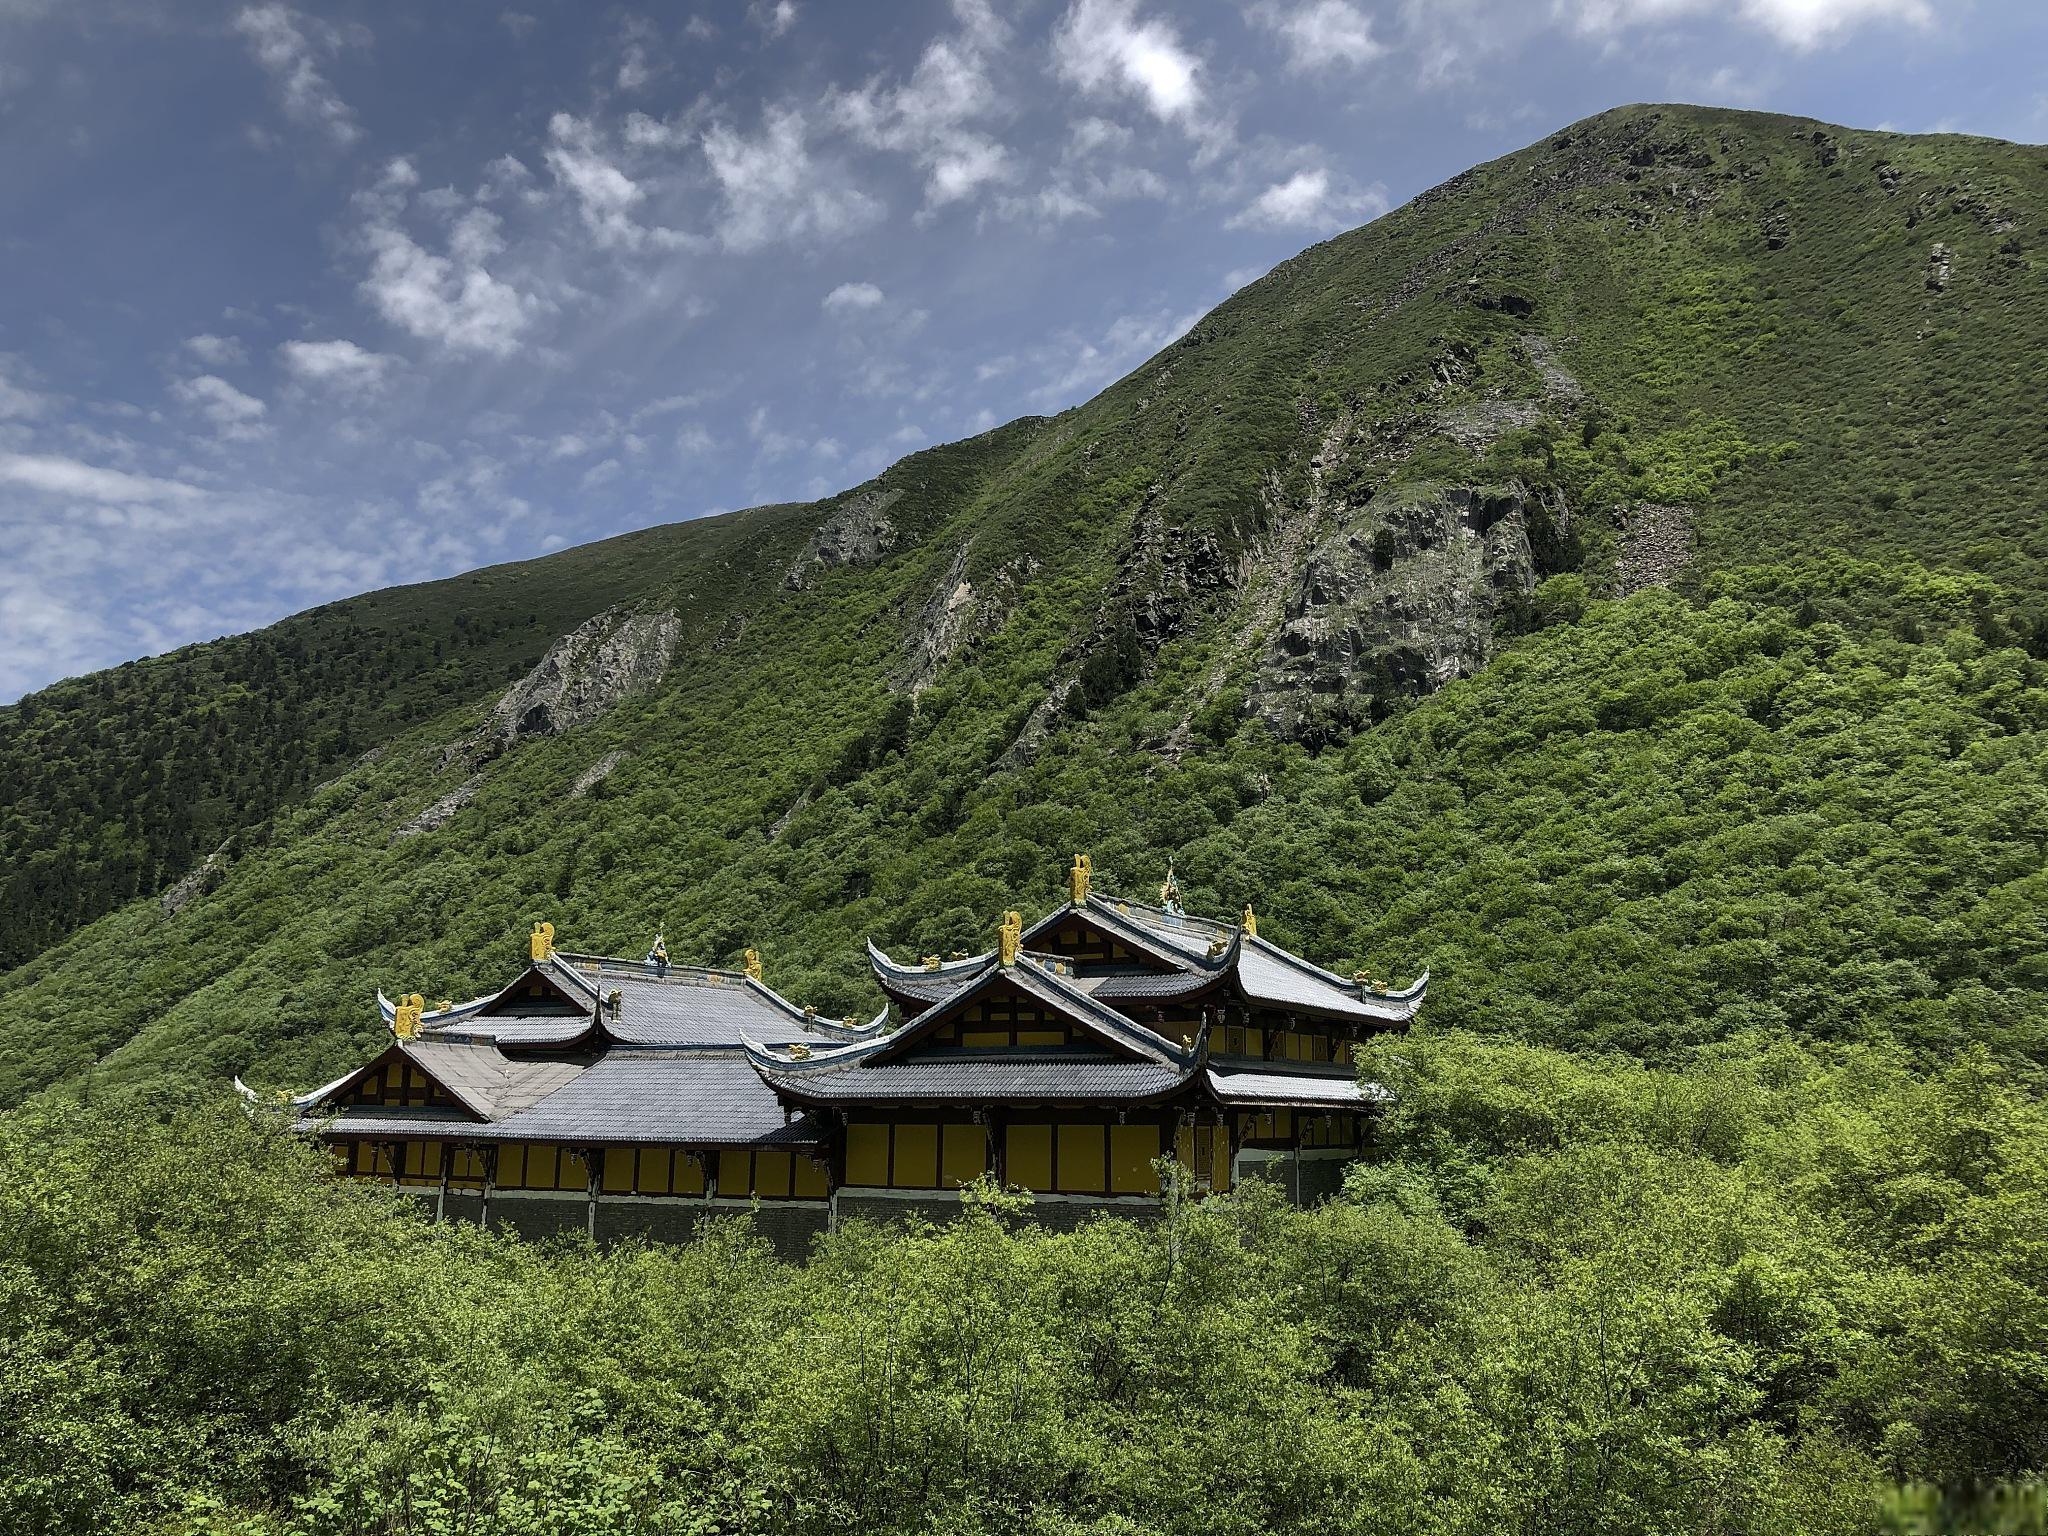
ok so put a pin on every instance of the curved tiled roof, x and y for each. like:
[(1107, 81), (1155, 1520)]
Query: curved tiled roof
[(1276, 977), (1060, 993), (682, 1097), (979, 1075), (1148, 986), (1258, 1086), (684, 1005), (1112, 917), (512, 1029)]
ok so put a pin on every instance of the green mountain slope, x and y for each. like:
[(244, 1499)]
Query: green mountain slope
[(1194, 616)]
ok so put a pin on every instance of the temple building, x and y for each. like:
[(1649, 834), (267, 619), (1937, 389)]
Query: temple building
[(632, 1097)]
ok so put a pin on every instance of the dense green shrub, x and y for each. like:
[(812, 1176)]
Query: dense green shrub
[(1776, 1291)]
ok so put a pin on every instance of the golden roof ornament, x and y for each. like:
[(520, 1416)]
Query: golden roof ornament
[(405, 1022), (1251, 922), (1077, 878), (799, 1052), (1010, 937), (753, 965), (541, 942), (931, 962)]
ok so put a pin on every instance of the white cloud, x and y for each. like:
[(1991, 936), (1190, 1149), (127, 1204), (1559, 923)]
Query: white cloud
[(56, 476), (693, 441), (1320, 34), (278, 37), (851, 296), (1309, 200), (636, 65), (932, 116), (774, 190), (770, 441), (232, 413), (775, 17), (1106, 48), (454, 299), (1798, 24), (18, 401), (1087, 177), (216, 351), (340, 365), (605, 195), (644, 132)]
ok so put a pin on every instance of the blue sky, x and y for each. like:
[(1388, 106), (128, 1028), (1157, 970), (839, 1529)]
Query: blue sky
[(299, 300)]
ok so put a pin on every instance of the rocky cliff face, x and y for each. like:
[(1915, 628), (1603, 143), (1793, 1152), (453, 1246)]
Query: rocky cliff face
[(858, 532), (584, 674), (1399, 598), (958, 613)]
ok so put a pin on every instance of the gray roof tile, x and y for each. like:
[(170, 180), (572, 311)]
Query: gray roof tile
[(982, 1076), (1304, 1090), (483, 1077), (698, 1097)]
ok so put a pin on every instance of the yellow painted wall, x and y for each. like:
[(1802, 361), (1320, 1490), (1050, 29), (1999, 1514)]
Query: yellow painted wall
[(963, 1154), (917, 1157), (1027, 1156), (1081, 1169), (925, 1155), (735, 1175), (422, 1163), (1131, 1150), (867, 1155), (808, 1179)]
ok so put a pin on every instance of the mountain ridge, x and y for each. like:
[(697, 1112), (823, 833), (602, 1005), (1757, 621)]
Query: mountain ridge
[(1354, 481)]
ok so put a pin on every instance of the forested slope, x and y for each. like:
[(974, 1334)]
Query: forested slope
[(1782, 367)]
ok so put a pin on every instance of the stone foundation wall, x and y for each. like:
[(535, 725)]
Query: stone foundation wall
[(1321, 1178), (532, 1215), (792, 1226)]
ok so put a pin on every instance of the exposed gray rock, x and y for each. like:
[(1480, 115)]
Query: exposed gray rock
[(443, 810), (206, 877), (1037, 728), (1399, 598), (856, 533), (1479, 424), (956, 615), (584, 673), (1940, 263), (1164, 576), (596, 774), (1656, 541), (1558, 383), (781, 823)]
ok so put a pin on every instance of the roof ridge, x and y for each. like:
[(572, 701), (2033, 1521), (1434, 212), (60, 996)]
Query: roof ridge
[(1349, 983), (675, 970)]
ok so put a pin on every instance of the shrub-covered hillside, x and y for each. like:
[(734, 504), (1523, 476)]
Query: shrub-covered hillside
[(1708, 358), (1765, 1295)]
